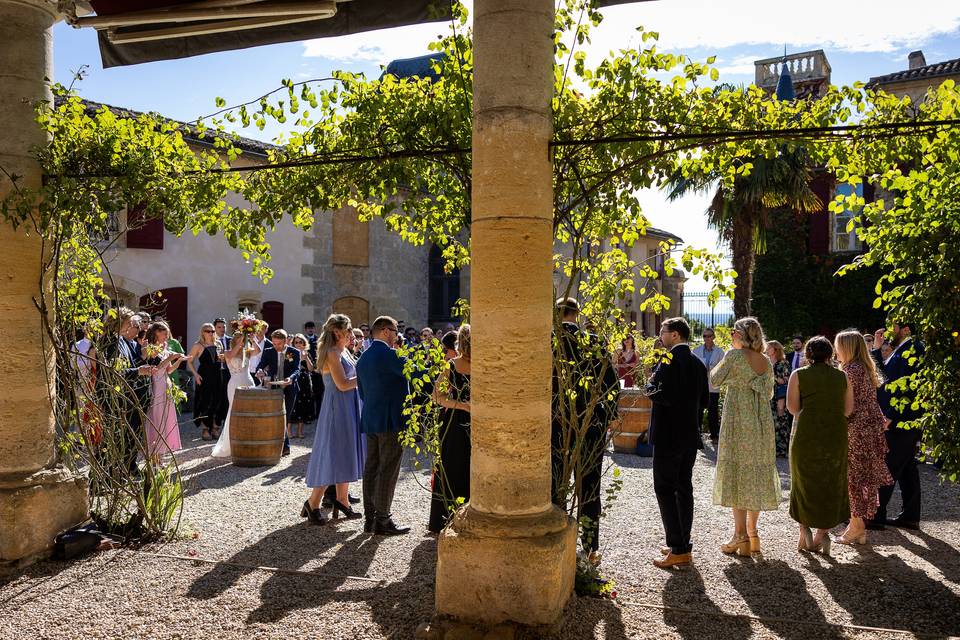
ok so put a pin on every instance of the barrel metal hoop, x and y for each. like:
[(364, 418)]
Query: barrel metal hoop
[(257, 415), (241, 443)]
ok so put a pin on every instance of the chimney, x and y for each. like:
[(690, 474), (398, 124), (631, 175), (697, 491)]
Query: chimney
[(917, 60)]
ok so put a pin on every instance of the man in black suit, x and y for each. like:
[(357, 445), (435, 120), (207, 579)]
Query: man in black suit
[(796, 357), (223, 406), (901, 443), (122, 354), (679, 391), (578, 442), (281, 363)]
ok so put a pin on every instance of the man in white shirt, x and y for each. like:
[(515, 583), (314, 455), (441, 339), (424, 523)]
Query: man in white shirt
[(260, 337), (711, 355)]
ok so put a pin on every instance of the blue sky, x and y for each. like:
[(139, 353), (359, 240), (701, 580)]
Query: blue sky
[(860, 39)]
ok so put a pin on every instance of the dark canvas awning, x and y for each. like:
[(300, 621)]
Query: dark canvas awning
[(136, 31)]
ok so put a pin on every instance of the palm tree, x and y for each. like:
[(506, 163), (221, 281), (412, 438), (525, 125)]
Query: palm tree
[(740, 214)]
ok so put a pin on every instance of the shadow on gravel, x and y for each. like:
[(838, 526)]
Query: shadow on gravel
[(885, 591), (288, 548), (631, 461), (934, 550), (694, 615), (773, 589), (593, 618)]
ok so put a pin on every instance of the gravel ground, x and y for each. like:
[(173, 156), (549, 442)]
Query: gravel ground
[(907, 581)]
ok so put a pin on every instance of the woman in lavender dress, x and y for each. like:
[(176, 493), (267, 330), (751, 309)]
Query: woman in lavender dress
[(339, 450)]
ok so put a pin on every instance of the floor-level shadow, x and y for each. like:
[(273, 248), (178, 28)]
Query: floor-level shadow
[(685, 593), (593, 617), (287, 548), (885, 591), (774, 590), (630, 460), (934, 550), (282, 593)]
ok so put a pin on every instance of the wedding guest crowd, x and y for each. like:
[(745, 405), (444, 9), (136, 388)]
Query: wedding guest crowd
[(826, 406)]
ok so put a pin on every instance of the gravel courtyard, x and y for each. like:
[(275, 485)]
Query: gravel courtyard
[(250, 567)]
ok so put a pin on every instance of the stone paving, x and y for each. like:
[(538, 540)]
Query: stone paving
[(336, 582)]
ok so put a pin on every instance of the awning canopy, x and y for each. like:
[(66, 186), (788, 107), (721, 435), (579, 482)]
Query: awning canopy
[(136, 31)]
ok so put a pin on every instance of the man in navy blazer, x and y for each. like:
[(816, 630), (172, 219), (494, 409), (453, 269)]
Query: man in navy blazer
[(383, 389), (901, 443), (281, 363), (679, 391)]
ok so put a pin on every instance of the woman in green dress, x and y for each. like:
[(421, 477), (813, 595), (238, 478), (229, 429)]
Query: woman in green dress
[(821, 398), (747, 478)]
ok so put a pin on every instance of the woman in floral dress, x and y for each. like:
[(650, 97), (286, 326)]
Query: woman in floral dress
[(778, 406), (747, 478), (866, 454)]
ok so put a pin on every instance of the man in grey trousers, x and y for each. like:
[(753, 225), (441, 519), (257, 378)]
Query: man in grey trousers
[(383, 389)]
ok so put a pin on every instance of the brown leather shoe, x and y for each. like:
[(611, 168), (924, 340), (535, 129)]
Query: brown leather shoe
[(674, 561)]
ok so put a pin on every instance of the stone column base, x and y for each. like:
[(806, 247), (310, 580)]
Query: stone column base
[(34, 509), (515, 569)]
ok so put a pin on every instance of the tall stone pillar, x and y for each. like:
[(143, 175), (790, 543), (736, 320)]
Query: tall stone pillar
[(510, 555), (38, 498)]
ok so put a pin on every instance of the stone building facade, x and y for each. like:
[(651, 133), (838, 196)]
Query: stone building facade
[(340, 265)]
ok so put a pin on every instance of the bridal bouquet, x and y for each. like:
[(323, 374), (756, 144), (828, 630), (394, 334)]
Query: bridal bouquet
[(247, 325)]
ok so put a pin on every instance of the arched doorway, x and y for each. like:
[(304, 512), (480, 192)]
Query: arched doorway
[(271, 312)]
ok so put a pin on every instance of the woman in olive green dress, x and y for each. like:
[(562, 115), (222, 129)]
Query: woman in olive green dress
[(821, 398), (747, 478)]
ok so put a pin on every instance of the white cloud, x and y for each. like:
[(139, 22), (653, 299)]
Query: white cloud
[(880, 26), (377, 47)]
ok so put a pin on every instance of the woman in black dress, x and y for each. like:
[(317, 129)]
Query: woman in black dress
[(304, 408), (451, 480), (207, 381)]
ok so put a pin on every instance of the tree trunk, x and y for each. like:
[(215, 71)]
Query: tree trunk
[(742, 246)]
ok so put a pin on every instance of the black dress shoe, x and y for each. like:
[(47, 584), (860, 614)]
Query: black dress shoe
[(900, 523), (874, 525), (368, 524), (286, 451), (348, 513), (388, 528)]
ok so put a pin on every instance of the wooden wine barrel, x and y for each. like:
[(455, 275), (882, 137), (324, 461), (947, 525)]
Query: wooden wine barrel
[(257, 418), (634, 420)]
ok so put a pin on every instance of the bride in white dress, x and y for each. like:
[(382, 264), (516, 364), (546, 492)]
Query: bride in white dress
[(239, 377)]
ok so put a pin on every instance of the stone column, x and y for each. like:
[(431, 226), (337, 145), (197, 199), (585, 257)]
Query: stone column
[(38, 499), (510, 555)]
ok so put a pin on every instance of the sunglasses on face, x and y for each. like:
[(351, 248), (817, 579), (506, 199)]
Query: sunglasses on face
[(208, 330)]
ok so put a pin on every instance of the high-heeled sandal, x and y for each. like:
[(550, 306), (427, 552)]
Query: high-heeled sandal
[(806, 539), (843, 539), (314, 516), (347, 512), (754, 546), (823, 547), (735, 546)]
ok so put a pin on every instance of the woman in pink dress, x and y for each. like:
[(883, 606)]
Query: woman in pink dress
[(867, 450), (162, 428), (626, 361)]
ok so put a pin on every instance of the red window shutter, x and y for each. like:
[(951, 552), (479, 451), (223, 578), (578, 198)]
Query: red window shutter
[(143, 233), (819, 238), (272, 312), (171, 303)]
